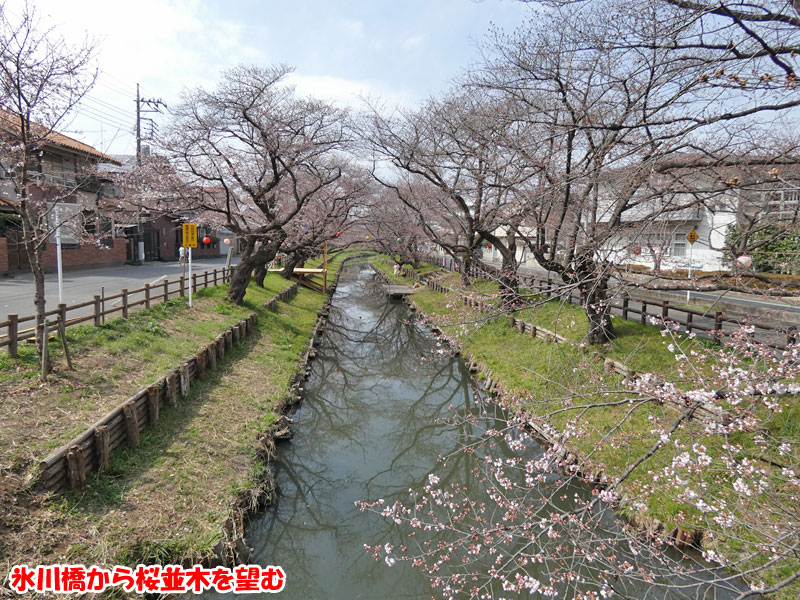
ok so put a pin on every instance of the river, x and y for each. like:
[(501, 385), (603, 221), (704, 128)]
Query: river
[(384, 401)]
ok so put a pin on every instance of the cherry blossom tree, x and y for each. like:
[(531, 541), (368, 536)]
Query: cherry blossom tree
[(42, 79), (322, 218), (396, 229), (449, 162), (264, 151), (609, 107)]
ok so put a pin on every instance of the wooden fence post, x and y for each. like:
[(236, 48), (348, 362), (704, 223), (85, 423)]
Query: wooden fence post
[(183, 286), (97, 311), (625, 300), (205, 279), (689, 322), (166, 289), (211, 356), (185, 379), (718, 324), (644, 312), (215, 277), (147, 295), (124, 303), (199, 364), (13, 329), (103, 303), (665, 310), (62, 313), (194, 283)]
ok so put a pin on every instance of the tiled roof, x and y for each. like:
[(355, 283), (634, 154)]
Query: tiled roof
[(10, 123)]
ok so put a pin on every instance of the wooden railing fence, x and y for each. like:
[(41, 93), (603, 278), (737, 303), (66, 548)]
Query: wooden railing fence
[(650, 309), (102, 306)]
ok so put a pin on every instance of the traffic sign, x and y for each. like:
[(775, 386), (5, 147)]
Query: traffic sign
[(692, 236), (189, 235)]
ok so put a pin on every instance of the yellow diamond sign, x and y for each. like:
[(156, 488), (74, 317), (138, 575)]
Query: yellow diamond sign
[(692, 236)]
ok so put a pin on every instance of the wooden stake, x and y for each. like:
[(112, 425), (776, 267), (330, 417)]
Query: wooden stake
[(45, 351), (172, 389), (185, 381), (131, 424), (62, 333), (13, 328), (102, 447), (152, 403), (76, 469)]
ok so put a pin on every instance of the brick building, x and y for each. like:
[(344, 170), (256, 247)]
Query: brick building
[(65, 177)]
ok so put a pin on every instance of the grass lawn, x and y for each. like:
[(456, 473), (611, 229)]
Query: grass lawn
[(168, 499), (559, 382)]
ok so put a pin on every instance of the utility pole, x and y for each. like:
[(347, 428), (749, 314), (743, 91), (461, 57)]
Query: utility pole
[(153, 106)]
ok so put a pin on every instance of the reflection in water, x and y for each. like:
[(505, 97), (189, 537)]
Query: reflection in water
[(367, 429), (376, 417)]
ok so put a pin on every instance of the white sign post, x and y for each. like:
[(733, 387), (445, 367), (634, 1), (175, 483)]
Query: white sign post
[(58, 259), (190, 276), (189, 231)]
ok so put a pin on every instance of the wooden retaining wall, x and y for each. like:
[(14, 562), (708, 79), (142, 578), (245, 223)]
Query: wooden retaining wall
[(67, 467), (282, 296)]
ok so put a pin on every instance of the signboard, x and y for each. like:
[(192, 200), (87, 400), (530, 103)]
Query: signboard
[(692, 236), (189, 235)]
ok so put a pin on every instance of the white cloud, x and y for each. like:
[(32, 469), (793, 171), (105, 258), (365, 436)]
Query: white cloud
[(346, 92), (414, 42), (353, 29)]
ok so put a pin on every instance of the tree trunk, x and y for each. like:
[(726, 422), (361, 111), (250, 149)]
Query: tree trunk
[(598, 311), (240, 278), (509, 278), (35, 254), (464, 263), (291, 265), (260, 273), (251, 259), (39, 303)]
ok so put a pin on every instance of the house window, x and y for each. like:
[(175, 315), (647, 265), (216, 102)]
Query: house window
[(679, 245)]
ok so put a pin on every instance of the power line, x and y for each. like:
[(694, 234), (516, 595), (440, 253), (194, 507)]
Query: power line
[(108, 106)]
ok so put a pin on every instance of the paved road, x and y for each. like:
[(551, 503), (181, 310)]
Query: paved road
[(16, 293)]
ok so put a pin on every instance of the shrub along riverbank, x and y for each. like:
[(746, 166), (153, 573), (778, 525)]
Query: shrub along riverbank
[(554, 383), (195, 471)]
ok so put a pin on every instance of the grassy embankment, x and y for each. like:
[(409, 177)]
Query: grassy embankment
[(547, 378), (169, 498)]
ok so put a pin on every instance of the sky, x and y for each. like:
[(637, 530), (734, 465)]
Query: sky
[(401, 51)]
